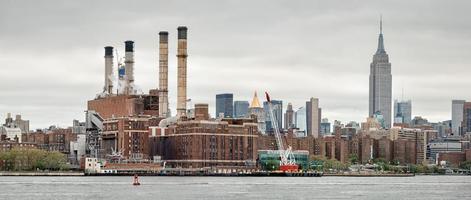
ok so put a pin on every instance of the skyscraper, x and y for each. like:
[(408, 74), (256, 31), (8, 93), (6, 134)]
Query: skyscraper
[(313, 117), (257, 110), (277, 112), (402, 112), (325, 127), (300, 119), (241, 109), (456, 116), (466, 124), (224, 105), (289, 117), (381, 83)]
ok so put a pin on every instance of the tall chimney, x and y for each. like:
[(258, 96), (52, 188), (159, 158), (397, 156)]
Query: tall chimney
[(181, 61), (163, 73), (129, 66), (108, 70)]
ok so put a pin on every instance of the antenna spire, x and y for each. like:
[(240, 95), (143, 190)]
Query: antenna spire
[(381, 24)]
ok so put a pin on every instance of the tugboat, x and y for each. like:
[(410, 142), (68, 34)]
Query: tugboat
[(136, 180)]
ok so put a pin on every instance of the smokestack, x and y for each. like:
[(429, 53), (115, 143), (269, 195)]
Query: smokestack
[(181, 61), (108, 70), (129, 66), (163, 73)]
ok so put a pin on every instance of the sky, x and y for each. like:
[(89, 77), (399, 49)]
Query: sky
[(51, 52)]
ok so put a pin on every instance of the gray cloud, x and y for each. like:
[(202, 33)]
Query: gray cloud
[(52, 52)]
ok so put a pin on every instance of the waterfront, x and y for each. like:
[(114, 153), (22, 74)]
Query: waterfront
[(418, 187)]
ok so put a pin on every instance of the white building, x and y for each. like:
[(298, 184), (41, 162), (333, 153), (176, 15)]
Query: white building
[(11, 133), (92, 165), (300, 119)]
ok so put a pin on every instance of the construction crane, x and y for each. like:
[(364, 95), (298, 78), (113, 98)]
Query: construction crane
[(287, 160)]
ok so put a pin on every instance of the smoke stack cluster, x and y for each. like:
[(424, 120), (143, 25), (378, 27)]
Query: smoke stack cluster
[(181, 71), (163, 74), (125, 83), (129, 66), (108, 89)]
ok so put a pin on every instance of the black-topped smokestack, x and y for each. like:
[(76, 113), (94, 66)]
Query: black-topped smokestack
[(182, 32), (108, 88), (163, 74), (108, 51), (163, 37), (129, 67), (181, 71), (129, 46)]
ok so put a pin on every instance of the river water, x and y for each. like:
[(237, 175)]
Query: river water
[(216, 188)]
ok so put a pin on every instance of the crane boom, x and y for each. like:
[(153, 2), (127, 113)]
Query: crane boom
[(287, 160)]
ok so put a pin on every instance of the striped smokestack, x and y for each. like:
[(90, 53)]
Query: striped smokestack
[(108, 70), (129, 66), (163, 73), (181, 61)]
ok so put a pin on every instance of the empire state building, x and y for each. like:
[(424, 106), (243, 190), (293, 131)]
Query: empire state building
[(381, 83)]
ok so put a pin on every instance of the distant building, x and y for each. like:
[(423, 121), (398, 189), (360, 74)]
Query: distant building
[(300, 120), (204, 143), (224, 104), (402, 112), (443, 128), (289, 117), (13, 134), (127, 135), (241, 109), (466, 124), (379, 117), (409, 145), (257, 110), (381, 83), (277, 112), (325, 127), (442, 145), (456, 116), (313, 117), (419, 121), (23, 125)]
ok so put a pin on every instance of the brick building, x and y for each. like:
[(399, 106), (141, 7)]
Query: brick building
[(204, 143), (127, 135), (126, 105), (57, 139)]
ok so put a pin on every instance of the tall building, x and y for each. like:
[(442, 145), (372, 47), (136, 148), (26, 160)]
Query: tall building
[(456, 116), (402, 112), (325, 127), (17, 123), (313, 117), (381, 83), (277, 112), (466, 118), (256, 110), (241, 109), (289, 117), (300, 119), (224, 104)]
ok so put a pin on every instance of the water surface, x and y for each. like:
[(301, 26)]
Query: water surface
[(215, 188)]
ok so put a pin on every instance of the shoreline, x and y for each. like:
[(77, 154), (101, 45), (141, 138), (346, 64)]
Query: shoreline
[(223, 175)]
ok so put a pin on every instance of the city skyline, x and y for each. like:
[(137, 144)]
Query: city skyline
[(60, 74)]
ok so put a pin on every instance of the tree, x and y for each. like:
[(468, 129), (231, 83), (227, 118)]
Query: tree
[(31, 159), (465, 165), (353, 158)]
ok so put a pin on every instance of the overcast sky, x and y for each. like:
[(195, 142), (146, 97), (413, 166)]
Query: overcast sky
[(51, 52)]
